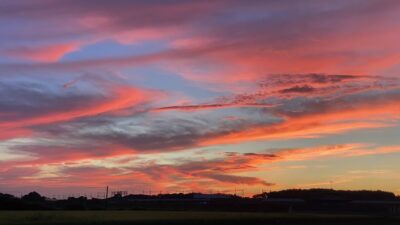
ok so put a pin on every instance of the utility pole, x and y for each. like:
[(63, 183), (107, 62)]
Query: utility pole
[(106, 200)]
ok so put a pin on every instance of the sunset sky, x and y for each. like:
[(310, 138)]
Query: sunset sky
[(210, 96)]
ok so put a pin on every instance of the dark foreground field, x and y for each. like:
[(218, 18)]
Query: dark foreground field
[(190, 218)]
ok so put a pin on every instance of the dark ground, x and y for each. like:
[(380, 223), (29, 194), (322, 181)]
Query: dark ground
[(191, 218)]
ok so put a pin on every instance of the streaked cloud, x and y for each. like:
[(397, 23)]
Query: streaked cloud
[(196, 93)]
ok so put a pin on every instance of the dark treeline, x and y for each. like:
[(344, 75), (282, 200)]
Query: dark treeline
[(330, 194), (287, 200)]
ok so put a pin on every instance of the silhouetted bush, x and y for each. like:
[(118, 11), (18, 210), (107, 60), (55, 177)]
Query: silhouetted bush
[(33, 197)]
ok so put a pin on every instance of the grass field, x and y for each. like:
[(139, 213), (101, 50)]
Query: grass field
[(190, 218)]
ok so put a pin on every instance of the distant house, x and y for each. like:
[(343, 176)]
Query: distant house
[(119, 193)]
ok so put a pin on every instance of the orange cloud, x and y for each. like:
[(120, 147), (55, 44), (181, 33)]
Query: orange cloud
[(121, 97), (319, 123), (47, 53), (318, 152), (12, 133), (212, 106), (292, 129), (183, 175)]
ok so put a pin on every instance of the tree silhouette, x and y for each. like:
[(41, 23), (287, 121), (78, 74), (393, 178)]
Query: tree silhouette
[(33, 197)]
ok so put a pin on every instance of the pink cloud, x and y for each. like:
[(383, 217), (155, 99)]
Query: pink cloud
[(46, 53)]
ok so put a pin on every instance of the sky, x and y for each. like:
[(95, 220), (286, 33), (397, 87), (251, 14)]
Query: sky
[(222, 96)]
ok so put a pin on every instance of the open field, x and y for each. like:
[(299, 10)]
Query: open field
[(192, 218)]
